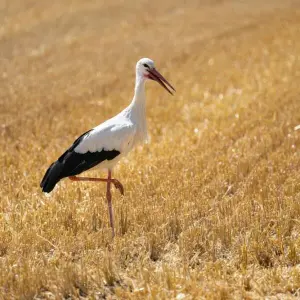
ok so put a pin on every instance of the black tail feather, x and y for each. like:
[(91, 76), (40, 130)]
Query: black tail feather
[(46, 175), (52, 177)]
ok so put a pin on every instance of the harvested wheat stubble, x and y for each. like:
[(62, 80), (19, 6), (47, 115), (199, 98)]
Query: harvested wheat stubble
[(212, 203)]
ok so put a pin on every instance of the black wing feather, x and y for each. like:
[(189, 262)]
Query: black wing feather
[(71, 163), (75, 163)]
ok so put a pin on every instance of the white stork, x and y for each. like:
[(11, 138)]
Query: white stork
[(104, 145)]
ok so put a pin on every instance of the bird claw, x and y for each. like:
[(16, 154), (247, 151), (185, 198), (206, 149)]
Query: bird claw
[(118, 185)]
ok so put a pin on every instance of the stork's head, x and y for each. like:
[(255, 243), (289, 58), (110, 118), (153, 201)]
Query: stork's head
[(145, 68)]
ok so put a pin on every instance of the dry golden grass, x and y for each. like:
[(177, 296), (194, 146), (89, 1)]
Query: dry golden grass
[(212, 204)]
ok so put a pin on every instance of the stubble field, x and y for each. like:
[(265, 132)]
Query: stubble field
[(211, 207)]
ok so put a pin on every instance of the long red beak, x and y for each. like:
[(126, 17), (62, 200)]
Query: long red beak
[(155, 75)]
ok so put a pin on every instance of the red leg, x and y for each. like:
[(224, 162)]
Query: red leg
[(118, 185), (108, 181), (110, 210)]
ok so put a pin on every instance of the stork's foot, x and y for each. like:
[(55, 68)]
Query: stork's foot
[(118, 185)]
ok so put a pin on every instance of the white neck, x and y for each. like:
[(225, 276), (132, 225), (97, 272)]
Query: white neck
[(136, 111), (139, 98), (138, 103)]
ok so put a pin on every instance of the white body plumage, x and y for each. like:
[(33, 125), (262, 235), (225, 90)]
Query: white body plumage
[(122, 132)]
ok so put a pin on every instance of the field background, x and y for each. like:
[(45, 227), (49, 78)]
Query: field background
[(212, 204)]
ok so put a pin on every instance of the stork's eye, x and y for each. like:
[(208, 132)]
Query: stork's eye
[(146, 66)]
